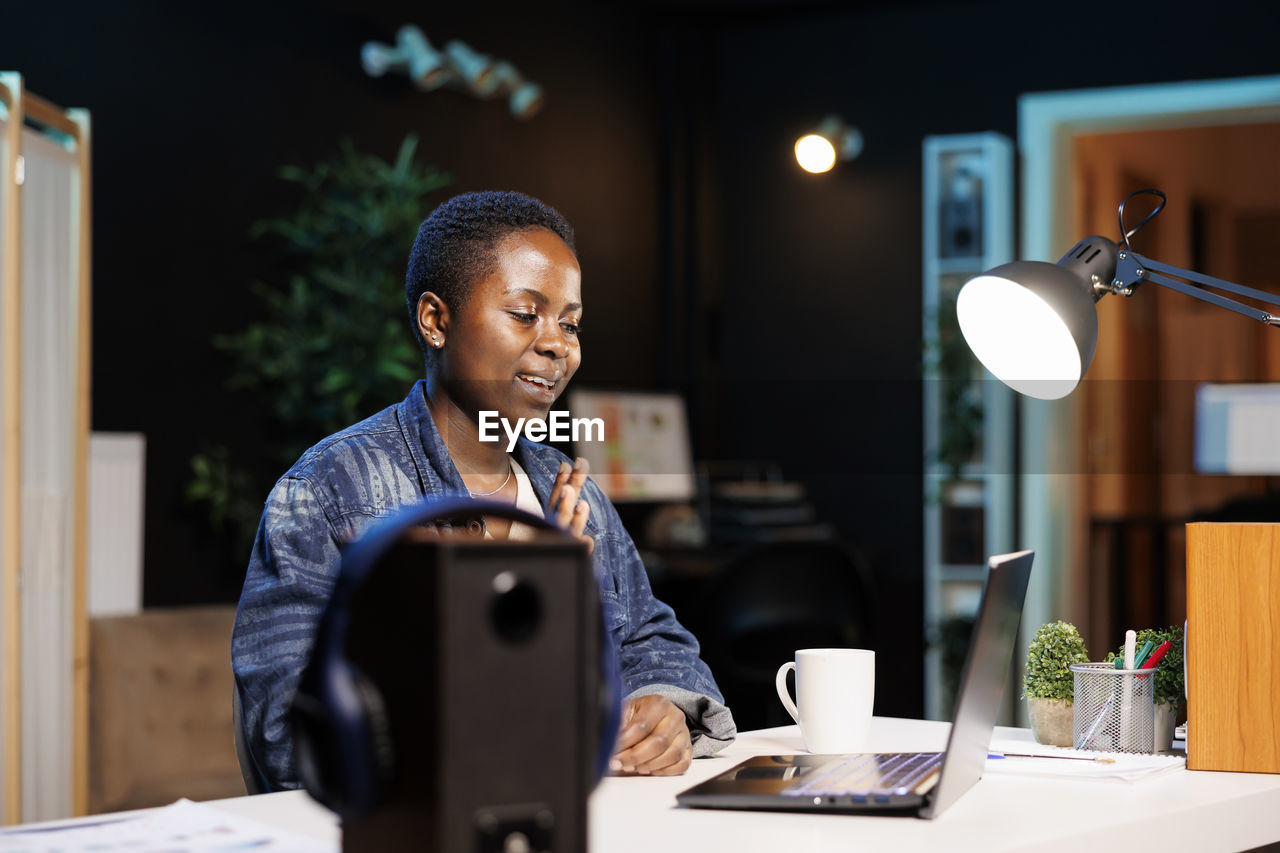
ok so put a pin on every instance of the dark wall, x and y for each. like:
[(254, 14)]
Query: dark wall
[(786, 305), (194, 109)]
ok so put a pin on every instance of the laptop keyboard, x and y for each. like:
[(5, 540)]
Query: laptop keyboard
[(871, 777)]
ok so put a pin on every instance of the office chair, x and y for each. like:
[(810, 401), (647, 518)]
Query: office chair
[(253, 783), (772, 599)]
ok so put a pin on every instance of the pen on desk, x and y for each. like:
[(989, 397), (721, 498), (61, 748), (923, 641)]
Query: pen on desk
[(1142, 654), (1126, 687), (1094, 759)]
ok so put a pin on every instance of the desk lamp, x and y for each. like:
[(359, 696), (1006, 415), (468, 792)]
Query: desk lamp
[(1034, 325)]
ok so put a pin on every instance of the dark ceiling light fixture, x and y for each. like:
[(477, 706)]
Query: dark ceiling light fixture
[(1034, 325)]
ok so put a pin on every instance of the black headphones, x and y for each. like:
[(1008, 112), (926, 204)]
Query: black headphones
[(341, 733)]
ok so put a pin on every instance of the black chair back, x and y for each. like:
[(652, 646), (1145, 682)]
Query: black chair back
[(775, 598)]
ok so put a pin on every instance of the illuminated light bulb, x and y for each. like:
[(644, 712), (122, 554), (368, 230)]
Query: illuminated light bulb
[(1020, 337), (815, 153)]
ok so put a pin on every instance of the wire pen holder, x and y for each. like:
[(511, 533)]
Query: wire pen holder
[(1114, 708)]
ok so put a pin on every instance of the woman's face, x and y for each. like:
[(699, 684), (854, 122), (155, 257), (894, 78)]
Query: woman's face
[(513, 345)]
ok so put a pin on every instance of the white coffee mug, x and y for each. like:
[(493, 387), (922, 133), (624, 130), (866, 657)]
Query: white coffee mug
[(835, 691)]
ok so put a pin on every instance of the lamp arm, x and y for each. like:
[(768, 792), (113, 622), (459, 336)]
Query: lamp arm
[(1133, 269)]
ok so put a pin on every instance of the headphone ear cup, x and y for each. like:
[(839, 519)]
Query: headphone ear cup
[(379, 768), (342, 740), (318, 768)]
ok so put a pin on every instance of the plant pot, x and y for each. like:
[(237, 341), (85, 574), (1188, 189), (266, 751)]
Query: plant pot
[(1166, 722), (1052, 720)]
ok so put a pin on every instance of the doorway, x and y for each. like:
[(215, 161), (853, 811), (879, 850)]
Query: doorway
[(1055, 481), (1141, 487)]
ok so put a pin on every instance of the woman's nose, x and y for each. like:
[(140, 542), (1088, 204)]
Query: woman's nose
[(551, 341)]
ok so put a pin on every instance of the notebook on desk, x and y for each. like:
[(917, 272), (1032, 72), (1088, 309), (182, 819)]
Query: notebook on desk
[(912, 783)]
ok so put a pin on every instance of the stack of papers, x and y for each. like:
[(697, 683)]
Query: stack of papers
[(183, 826), (1061, 762)]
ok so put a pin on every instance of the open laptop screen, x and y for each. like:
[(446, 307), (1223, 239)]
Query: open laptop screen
[(982, 679)]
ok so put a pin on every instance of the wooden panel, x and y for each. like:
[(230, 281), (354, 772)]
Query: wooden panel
[(160, 724), (1233, 647), (45, 113)]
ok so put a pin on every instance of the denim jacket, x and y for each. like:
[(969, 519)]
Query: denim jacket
[(347, 482)]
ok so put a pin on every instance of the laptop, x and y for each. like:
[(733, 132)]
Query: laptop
[(923, 784)]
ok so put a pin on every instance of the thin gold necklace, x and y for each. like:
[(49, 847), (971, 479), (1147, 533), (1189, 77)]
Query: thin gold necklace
[(510, 470)]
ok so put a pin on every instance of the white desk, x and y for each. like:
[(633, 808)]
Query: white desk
[(1186, 810)]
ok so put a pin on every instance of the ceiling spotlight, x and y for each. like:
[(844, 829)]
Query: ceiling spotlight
[(426, 66), (476, 69), (525, 98), (833, 141), (378, 59), (457, 66)]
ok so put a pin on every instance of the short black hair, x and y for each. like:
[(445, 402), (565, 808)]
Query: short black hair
[(455, 245)]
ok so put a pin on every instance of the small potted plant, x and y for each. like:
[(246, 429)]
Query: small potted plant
[(1049, 686), (1170, 689)]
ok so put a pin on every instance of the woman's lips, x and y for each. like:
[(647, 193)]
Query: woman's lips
[(541, 387)]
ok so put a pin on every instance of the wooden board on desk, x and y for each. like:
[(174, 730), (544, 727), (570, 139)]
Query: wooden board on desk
[(1233, 647)]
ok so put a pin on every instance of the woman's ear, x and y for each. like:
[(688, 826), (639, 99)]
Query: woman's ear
[(433, 319)]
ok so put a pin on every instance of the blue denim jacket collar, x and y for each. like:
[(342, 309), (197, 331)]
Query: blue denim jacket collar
[(425, 443)]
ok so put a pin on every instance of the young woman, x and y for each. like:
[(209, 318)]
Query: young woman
[(494, 289)]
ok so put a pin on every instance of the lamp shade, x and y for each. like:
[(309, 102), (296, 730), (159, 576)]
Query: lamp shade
[(1034, 324)]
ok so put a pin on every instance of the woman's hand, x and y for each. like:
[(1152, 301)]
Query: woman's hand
[(565, 510), (654, 739)]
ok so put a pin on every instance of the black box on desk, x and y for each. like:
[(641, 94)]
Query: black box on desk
[(486, 659)]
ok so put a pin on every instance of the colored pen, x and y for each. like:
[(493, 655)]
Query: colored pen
[(1063, 757), (1159, 653), (1142, 654)]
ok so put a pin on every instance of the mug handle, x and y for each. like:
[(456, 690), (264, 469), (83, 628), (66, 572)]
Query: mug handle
[(783, 693)]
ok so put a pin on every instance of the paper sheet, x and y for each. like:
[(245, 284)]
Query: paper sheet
[(1122, 767), (184, 827)]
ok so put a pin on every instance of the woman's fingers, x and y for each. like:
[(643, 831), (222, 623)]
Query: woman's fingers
[(562, 477), (654, 739), (563, 508), (579, 520), (578, 477)]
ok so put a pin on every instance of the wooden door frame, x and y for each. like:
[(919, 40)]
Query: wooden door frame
[(11, 450)]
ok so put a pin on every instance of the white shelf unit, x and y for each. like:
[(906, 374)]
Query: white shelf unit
[(969, 502)]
